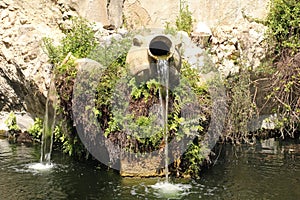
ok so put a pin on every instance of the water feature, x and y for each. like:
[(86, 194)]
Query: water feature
[(160, 49), (163, 73), (244, 172)]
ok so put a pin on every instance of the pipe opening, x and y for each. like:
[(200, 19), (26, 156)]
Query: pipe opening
[(160, 46)]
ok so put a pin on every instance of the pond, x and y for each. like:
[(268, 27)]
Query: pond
[(268, 170)]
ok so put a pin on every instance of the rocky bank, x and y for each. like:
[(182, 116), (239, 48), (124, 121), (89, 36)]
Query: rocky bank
[(24, 69)]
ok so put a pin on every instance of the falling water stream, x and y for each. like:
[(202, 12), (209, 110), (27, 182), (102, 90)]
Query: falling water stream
[(48, 127), (163, 73), (47, 134)]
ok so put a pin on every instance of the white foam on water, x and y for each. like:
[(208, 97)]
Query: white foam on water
[(171, 190), (41, 166)]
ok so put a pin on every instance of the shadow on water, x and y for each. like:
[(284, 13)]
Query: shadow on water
[(268, 170)]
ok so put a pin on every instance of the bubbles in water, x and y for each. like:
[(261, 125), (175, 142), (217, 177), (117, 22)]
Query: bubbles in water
[(170, 190), (41, 166)]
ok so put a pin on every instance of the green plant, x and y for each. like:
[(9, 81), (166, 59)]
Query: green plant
[(169, 29), (70, 143), (132, 117), (36, 130), (144, 89), (283, 24), (112, 57), (11, 122), (184, 21), (241, 107), (284, 34), (195, 156), (79, 40), (52, 51)]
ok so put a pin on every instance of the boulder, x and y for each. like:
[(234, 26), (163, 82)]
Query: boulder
[(19, 137), (24, 137), (202, 34), (95, 11)]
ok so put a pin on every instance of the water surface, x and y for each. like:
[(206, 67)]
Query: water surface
[(270, 170)]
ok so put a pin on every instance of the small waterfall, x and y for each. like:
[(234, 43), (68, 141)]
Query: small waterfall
[(163, 75), (48, 126)]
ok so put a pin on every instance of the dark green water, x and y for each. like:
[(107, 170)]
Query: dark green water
[(267, 171)]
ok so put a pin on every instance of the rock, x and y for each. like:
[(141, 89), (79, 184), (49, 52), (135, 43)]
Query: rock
[(122, 31), (115, 11), (7, 42), (183, 38), (138, 40), (98, 26), (202, 34), (4, 14), (230, 44), (267, 122), (143, 167), (107, 39), (8, 2), (95, 11), (7, 24), (109, 27), (68, 15), (18, 136), (23, 71), (202, 28), (228, 67), (193, 55), (3, 4), (135, 15), (7, 54), (24, 137)]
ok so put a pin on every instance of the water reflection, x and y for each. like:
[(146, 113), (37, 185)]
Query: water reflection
[(269, 170)]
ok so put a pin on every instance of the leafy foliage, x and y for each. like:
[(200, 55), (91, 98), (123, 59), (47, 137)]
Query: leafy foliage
[(11, 122), (36, 130), (284, 32), (241, 107), (283, 24), (184, 21), (79, 40), (169, 29), (195, 155), (280, 68), (112, 56)]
